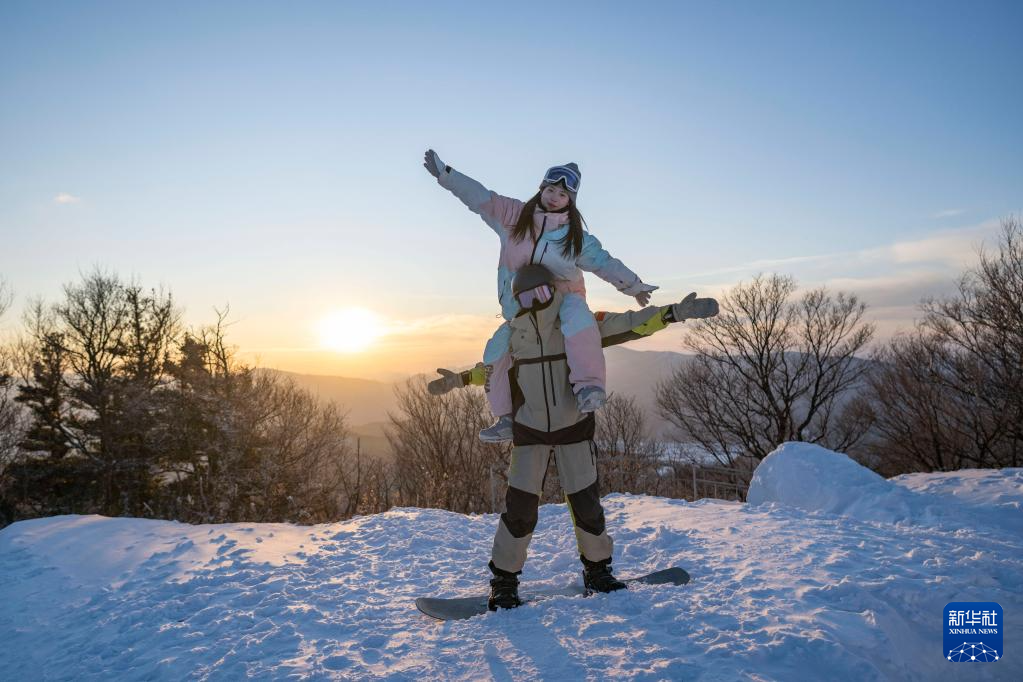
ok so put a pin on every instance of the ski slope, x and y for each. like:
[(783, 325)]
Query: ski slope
[(830, 572)]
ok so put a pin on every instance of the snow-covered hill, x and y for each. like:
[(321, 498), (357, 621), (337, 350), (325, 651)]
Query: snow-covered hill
[(834, 574)]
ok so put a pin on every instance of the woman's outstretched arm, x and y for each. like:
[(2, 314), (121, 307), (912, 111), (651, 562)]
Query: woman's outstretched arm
[(499, 212)]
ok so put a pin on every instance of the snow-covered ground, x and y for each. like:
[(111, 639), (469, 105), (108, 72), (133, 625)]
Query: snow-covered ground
[(831, 572)]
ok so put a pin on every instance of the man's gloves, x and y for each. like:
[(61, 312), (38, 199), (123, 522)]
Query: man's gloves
[(640, 291), (448, 381), (432, 163), (691, 307)]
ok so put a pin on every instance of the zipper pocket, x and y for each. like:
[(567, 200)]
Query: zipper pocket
[(543, 374)]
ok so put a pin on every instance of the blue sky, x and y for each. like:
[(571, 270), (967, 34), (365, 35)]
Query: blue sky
[(267, 156)]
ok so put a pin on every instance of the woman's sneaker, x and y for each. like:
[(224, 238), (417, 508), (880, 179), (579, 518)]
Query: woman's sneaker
[(590, 398), (498, 432), (504, 593)]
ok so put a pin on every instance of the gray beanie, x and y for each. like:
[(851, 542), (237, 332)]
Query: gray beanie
[(562, 175)]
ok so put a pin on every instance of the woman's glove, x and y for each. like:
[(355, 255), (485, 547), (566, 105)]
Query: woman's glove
[(432, 163), (640, 291)]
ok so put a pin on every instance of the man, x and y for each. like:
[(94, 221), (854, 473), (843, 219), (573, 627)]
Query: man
[(547, 422)]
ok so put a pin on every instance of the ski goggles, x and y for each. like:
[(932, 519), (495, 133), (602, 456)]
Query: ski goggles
[(562, 174), (536, 297)]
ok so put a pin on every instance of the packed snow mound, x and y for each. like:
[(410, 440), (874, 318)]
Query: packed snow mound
[(815, 479)]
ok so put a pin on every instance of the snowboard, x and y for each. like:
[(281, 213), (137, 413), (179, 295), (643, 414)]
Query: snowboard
[(467, 607)]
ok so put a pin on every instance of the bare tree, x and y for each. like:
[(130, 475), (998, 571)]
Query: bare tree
[(117, 339), (301, 457), (628, 461), (6, 296), (768, 370), (439, 459), (240, 444), (369, 484), (152, 328), (920, 425), (130, 416), (950, 394)]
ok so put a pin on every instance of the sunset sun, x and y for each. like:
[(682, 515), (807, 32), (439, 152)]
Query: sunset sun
[(349, 330)]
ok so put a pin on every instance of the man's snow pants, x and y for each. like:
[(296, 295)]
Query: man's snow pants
[(577, 470)]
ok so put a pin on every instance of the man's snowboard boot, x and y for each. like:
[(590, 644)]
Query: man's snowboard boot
[(597, 577), (504, 589)]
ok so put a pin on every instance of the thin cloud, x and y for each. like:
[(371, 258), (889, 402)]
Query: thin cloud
[(892, 279), (949, 213), (434, 329), (441, 326), (762, 265), (954, 248), (65, 198), (946, 248), (896, 290)]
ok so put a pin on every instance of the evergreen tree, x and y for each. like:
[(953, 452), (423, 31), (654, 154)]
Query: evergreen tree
[(46, 399)]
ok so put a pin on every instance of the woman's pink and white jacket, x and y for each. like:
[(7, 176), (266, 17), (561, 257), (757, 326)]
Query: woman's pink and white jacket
[(502, 213)]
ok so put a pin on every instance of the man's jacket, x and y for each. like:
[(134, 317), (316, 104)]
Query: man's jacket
[(544, 404)]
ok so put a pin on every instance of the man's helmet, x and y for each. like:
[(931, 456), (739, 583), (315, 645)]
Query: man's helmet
[(533, 287)]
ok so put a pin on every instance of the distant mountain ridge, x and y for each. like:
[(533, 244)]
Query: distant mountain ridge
[(636, 373), (364, 400), (367, 402), (630, 373)]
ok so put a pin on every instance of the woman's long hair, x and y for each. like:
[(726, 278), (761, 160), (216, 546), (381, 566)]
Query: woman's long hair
[(571, 244)]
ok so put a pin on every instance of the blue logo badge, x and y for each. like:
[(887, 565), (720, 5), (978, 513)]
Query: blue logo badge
[(973, 632)]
